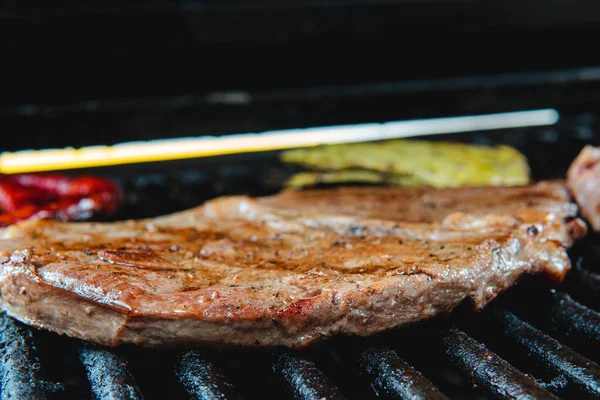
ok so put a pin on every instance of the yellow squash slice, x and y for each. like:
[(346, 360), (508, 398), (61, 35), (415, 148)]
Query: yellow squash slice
[(410, 163)]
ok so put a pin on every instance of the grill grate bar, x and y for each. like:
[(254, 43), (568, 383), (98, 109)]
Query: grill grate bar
[(573, 318), (552, 354), (303, 379), (483, 368), (202, 379), (585, 283), (20, 367), (394, 378), (108, 374)]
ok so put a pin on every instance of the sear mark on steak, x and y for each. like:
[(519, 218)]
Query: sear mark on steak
[(289, 269), (141, 258)]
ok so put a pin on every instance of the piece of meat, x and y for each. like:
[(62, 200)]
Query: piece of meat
[(285, 270), (583, 179)]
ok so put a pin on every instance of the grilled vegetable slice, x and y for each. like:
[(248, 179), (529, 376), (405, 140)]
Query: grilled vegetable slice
[(411, 162)]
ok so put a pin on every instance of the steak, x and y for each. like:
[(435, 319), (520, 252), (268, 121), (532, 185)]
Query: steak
[(287, 270), (583, 179)]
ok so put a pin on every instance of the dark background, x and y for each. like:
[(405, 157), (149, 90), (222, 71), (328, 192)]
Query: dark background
[(100, 72)]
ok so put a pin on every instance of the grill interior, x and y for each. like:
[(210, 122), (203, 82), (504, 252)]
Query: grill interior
[(532, 342)]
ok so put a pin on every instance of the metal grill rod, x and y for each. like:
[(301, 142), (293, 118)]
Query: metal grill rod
[(202, 379), (584, 283), (108, 374), (483, 368), (20, 367), (394, 378), (304, 380), (552, 354), (573, 318)]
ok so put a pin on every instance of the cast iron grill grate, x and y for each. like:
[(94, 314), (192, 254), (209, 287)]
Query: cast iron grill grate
[(533, 342)]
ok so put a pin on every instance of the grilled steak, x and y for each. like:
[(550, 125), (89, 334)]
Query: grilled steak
[(285, 270), (583, 179)]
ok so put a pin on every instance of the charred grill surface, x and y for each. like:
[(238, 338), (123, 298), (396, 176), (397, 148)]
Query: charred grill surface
[(486, 369), (551, 354), (303, 379), (20, 367), (575, 319), (202, 379), (585, 283), (392, 377), (108, 374)]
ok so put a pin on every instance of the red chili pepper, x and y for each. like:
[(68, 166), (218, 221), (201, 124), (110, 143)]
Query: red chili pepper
[(37, 196)]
